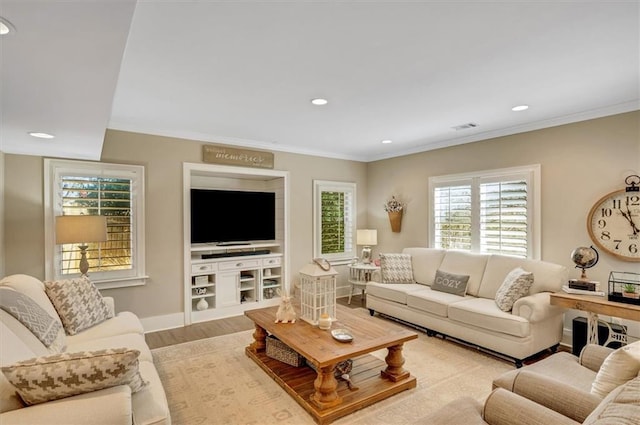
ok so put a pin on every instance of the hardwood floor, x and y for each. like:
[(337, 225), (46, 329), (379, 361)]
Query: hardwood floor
[(216, 328)]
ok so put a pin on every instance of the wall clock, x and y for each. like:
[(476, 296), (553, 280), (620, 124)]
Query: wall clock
[(614, 221)]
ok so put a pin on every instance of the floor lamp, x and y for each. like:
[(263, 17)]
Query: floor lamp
[(366, 237), (81, 229)]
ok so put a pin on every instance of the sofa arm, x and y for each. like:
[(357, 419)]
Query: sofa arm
[(535, 307), (592, 356), (556, 395), (108, 406), (506, 408), (111, 304)]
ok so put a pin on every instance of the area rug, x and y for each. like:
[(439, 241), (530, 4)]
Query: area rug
[(212, 381)]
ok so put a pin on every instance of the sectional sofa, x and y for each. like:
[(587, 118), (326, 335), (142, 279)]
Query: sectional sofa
[(101, 373), (530, 326)]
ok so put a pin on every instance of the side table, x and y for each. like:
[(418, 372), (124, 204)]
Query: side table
[(359, 275)]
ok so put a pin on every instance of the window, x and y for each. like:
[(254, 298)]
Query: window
[(334, 207), (94, 188), (494, 211)]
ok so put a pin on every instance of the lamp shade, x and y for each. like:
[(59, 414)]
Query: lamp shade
[(81, 228), (367, 237)]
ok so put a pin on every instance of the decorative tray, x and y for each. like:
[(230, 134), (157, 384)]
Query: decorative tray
[(342, 335)]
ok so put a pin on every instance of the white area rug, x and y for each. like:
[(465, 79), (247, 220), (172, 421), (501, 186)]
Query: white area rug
[(212, 381)]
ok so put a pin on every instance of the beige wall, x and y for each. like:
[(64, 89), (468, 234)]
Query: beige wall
[(163, 158), (2, 213), (580, 163)]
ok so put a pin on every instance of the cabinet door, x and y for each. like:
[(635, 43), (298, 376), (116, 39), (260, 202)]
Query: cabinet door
[(227, 289)]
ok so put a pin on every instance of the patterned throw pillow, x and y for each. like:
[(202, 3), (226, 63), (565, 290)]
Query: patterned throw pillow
[(62, 375), (78, 303), (515, 286), (396, 268), (452, 283), (31, 315)]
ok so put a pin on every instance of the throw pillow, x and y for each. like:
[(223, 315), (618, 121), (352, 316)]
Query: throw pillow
[(619, 367), (78, 303), (31, 315), (515, 286), (452, 283), (62, 375), (396, 268)]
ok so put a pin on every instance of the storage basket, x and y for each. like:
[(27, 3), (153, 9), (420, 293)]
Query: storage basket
[(278, 350)]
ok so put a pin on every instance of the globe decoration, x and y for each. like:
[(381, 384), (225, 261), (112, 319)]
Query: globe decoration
[(584, 258)]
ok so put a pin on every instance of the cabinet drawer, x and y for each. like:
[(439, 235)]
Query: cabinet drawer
[(239, 264), (203, 268), (270, 262)]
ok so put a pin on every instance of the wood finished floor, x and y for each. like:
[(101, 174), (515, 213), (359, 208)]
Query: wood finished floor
[(216, 328)]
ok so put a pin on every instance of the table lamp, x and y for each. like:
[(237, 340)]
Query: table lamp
[(81, 229), (366, 237)]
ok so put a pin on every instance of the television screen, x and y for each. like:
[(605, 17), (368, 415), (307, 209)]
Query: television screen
[(219, 216)]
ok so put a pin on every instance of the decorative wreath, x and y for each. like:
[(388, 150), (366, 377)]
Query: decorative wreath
[(323, 263)]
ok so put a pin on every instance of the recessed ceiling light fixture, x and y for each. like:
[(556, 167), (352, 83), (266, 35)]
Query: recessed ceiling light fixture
[(520, 108), (6, 27), (387, 141), (319, 101), (41, 135)]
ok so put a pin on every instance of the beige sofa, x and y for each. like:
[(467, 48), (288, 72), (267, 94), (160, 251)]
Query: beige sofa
[(533, 325), (597, 388), (113, 405)]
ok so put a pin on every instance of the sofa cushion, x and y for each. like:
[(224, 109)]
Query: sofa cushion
[(484, 313), (432, 301), (150, 406), (620, 407), (425, 262), (78, 303), (396, 268), (132, 341), (30, 314), (515, 286), (42, 379), (123, 323), (466, 263), (396, 292), (619, 367), (451, 283)]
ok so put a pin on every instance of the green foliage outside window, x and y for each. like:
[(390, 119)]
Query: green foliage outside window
[(333, 222)]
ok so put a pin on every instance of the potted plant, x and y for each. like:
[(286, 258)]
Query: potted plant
[(629, 291), (394, 209)]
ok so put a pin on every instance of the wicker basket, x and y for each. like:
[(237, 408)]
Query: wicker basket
[(278, 350)]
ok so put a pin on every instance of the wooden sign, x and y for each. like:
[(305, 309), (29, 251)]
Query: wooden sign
[(225, 155)]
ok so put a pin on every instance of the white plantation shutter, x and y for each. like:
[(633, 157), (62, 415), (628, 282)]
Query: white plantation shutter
[(495, 211), (334, 220)]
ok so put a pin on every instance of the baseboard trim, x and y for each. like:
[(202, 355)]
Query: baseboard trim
[(164, 322)]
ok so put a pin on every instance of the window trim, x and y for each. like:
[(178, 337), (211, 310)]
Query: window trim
[(320, 186), (532, 175), (114, 279)]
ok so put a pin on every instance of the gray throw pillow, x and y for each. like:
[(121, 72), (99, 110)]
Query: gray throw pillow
[(515, 286), (452, 283)]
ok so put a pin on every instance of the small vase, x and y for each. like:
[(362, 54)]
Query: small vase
[(202, 304)]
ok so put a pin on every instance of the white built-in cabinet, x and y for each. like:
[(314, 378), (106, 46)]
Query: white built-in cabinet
[(232, 279)]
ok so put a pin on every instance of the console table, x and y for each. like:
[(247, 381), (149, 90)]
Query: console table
[(595, 305)]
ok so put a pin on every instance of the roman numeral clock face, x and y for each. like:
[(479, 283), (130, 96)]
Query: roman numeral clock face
[(614, 224)]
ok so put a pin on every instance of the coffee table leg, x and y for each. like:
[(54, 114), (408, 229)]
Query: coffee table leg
[(394, 371), (325, 384), (260, 340)]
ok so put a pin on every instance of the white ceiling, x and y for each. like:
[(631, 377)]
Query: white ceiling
[(243, 72)]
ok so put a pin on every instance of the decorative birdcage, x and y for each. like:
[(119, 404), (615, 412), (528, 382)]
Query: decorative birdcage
[(317, 291)]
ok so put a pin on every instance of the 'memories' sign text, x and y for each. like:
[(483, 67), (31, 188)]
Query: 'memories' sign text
[(230, 156)]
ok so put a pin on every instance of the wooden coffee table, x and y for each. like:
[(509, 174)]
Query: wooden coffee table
[(319, 393)]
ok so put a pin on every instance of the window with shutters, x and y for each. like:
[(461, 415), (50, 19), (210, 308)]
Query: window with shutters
[(334, 220), (93, 188), (495, 211)]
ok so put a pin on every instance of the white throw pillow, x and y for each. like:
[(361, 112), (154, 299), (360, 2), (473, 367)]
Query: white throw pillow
[(619, 367), (396, 268), (515, 286)]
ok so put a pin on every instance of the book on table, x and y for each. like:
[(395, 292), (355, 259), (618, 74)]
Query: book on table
[(569, 290)]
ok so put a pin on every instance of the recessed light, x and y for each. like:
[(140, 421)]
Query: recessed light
[(319, 101), (41, 135), (387, 141), (6, 27), (520, 108)]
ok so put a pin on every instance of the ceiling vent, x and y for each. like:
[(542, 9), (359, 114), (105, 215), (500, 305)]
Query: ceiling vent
[(465, 126)]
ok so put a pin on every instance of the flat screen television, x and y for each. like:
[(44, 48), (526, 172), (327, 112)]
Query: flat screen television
[(232, 216)]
